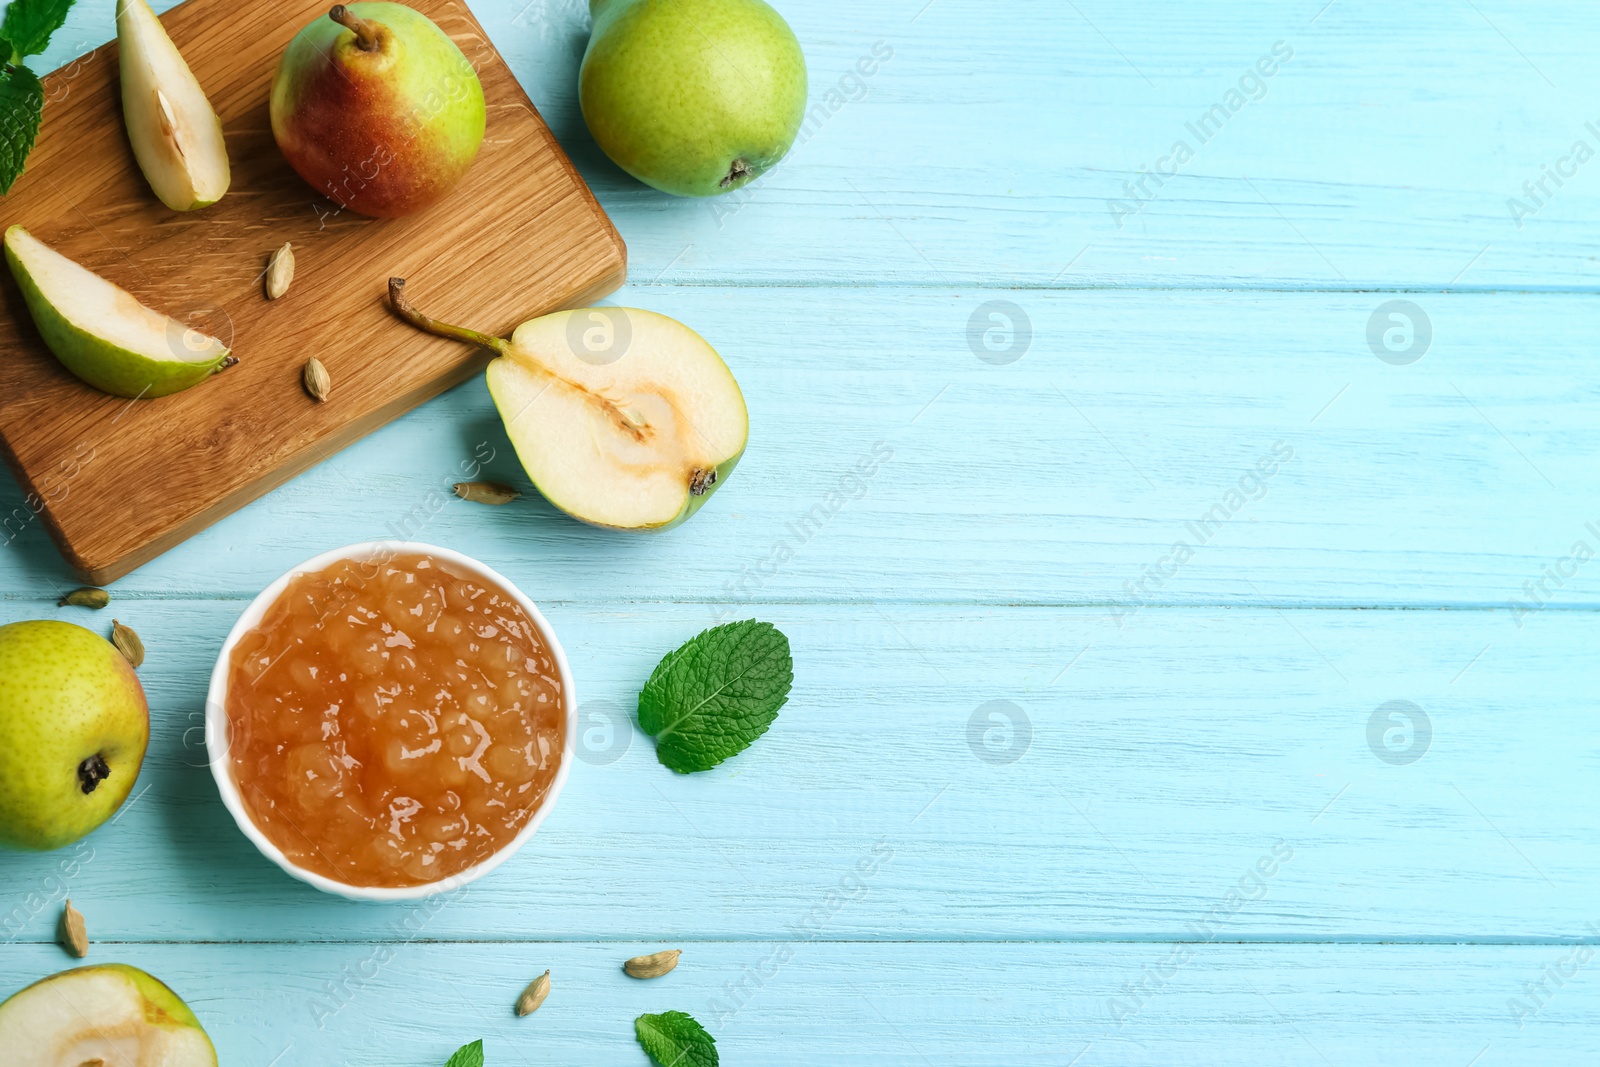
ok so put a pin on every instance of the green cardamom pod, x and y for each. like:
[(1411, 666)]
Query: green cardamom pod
[(654, 965), (73, 933), (127, 643), (485, 492), (534, 995), (316, 379), (86, 598)]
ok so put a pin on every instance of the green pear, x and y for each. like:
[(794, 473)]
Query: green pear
[(112, 1015), (73, 729), (175, 132), (377, 108), (693, 97), (622, 418), (101, 333)]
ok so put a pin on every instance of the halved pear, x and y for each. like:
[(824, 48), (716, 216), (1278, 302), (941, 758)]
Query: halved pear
[(109, 1015), (176, 135), (101, 333), (622, 418)]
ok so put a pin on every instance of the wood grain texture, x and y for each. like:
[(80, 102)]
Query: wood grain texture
[(1154, 766), (1169, 754), (1060, 478), (1014, 1005), (119, 482), (988, 150)]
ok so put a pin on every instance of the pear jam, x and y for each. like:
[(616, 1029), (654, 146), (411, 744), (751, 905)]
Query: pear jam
[(393, 721)]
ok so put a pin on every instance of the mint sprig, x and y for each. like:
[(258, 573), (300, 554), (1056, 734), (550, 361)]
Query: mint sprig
[(29, 23), (21, 108), (25, 32), (716, 694), (468, 1055), (674, 1039)]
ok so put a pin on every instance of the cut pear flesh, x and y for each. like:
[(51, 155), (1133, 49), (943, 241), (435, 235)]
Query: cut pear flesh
[(175, 132), (621, 417), (113, 1015), (630, 441), (101, 333)]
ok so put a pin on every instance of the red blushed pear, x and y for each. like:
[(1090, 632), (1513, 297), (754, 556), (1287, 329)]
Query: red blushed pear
[(377, 109)]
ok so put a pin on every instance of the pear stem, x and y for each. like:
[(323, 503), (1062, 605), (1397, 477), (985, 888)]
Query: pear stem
[(403, 308), (366, 31)]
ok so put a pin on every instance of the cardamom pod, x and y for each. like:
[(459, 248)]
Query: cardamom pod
[(74, 935), (315, 377), (127, 643), (654, 965), (485, 492), (534, 995), (86, 598), (280, 272)]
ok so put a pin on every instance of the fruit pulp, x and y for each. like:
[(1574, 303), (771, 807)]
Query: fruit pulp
[(393, 722)]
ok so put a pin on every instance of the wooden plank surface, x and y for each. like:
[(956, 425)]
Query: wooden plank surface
[(1245, 703), (1124, 783), (987, 151), (900, 1005), (117, 482), (1058, 478)]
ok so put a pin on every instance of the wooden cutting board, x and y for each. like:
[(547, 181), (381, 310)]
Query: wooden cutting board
[(118, 482)]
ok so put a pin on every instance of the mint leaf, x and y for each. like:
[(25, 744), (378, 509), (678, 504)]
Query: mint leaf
[(716, 694), (21, 107), (674, 1039), (468, 1055), (29, 24)]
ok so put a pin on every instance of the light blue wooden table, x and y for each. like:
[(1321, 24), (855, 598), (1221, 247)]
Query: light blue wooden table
[(1125, 802)]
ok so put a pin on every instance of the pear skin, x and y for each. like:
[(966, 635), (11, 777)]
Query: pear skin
[(622, 418), (175, 132), (74, 725), (109, 1013), (692, 97), (101, 333), (377, 109)]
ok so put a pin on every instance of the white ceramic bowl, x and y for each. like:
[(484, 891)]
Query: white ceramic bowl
[(217, 729)]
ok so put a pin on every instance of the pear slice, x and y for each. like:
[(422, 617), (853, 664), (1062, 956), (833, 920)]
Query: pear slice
[(101, 333), (622, 418), (111, 1015), (176, 135)]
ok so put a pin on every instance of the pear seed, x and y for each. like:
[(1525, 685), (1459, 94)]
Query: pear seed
[(127, 643), (169, 122), (485, 492), (86, 598), (534, 995), (280, 272), (654, 965), (315, 377), (74, 935)]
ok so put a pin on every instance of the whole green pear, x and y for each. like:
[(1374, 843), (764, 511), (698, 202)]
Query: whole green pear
[(73, 729), (693, 97)]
